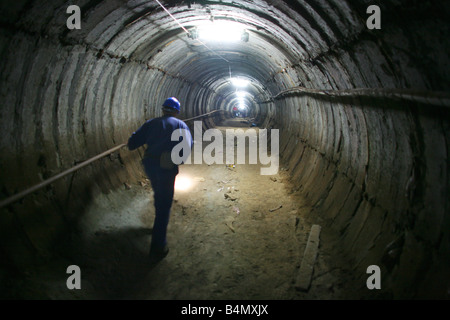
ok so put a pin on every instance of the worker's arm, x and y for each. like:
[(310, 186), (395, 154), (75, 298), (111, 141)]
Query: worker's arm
[(139, 137)]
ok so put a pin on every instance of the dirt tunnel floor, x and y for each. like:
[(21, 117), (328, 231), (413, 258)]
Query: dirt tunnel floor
[(235, 234)]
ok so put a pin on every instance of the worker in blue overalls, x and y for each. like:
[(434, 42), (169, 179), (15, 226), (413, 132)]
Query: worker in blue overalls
[(160, 168)]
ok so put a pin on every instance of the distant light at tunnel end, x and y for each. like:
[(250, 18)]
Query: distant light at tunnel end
[(242, 107), (241, 94)]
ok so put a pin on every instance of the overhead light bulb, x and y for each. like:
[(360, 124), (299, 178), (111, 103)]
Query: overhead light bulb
[(221, 31), (238, 82)]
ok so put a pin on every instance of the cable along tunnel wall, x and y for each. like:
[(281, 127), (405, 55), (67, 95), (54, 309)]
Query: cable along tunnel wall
[(376, 169)]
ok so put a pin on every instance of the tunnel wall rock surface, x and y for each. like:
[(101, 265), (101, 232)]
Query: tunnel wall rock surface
[(61, 106), (376, 169)]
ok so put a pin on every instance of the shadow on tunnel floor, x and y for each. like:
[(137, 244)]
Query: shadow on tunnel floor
[(114, 262)]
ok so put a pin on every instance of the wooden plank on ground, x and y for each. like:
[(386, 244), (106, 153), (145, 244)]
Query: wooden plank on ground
[(304, 275)]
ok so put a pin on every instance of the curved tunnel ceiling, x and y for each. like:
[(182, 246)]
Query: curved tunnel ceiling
[(279, 37), (376, 168)]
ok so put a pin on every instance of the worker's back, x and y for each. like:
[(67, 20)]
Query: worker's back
[(157, 135)]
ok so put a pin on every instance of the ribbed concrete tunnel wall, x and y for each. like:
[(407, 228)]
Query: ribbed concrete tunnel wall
[(375, 168)]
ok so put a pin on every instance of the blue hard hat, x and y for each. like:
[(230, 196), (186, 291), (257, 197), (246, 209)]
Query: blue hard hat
[(172, 103)]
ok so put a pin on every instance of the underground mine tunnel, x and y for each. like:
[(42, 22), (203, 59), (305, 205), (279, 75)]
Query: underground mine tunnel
[(363, 121)]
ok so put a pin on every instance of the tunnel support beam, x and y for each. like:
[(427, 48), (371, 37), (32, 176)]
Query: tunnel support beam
[(304, 276)]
